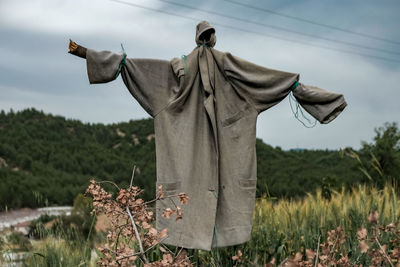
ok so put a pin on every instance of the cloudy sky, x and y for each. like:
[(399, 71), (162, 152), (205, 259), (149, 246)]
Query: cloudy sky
[(36, 70)]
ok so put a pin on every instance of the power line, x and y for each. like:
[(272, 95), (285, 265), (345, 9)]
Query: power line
[(255, 32), (281, 28), (313, 22)]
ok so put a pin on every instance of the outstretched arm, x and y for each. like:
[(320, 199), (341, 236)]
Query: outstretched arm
[(76, 49), (102, 66), (267, 87), (150, 81)]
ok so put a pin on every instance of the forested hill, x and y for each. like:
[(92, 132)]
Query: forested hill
[(46, 159)]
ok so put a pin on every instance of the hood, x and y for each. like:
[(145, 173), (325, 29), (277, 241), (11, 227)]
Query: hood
[(205, 34)]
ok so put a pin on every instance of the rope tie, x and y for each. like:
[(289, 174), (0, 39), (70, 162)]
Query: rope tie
[(123, 62), (185, 59), (204, 45), (294, 86), (215, 194), (298, 108)]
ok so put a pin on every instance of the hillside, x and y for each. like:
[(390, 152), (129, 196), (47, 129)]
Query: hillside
[(46, 159)]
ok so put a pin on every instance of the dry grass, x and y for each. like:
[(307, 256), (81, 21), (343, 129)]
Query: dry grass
[(283, 228)]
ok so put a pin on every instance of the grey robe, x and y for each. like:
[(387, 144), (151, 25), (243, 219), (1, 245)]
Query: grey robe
[(205, 110)]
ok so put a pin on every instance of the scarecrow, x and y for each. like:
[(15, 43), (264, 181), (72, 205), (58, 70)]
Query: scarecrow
[(205, 107)]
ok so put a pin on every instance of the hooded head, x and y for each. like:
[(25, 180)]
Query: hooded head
[(205, 34)]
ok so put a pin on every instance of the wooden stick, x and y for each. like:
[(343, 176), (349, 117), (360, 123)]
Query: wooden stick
[(316, 259), (384, 253), (135, 254), (133, 175), (137, 236), (109, 182)]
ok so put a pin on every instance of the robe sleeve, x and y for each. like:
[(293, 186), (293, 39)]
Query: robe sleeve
[(323, 105), (264, 88), (102, 66), (150, 81)]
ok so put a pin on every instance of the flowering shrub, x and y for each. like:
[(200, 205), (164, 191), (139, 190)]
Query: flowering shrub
[(333, 251), (132, 234)]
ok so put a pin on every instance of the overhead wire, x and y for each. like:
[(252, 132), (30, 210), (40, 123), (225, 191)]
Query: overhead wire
[(255, 32), (279, 28), (313, 22)]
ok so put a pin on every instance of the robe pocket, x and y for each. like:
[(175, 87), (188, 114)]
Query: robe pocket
[(248, 183), (236, 116), (169, 189)]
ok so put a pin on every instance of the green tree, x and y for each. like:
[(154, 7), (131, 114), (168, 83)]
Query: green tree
[(383, 154)]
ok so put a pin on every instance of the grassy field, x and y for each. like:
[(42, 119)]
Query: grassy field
[(280, 229), (284, 227)]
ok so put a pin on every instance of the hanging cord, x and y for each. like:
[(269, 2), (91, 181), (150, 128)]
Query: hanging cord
[(299, 108), (185, 59), (204, 45), (123, 62)]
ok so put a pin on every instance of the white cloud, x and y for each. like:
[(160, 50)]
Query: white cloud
[(91, 19), (370, 86), (101, 103)]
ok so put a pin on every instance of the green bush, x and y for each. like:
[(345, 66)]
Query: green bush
[(56, 252), (80, 224), (37, 227), (20, 241)]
